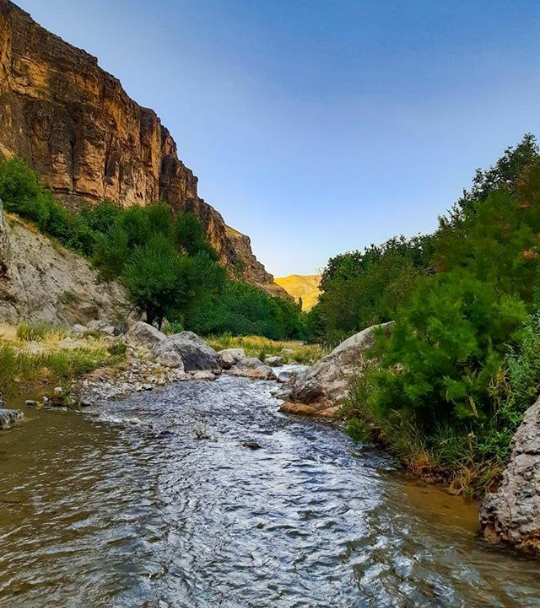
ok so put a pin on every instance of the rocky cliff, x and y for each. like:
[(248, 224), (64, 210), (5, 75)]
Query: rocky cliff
[(77, 127)]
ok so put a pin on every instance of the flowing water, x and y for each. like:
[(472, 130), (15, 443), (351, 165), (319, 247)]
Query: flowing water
[(156, 502)]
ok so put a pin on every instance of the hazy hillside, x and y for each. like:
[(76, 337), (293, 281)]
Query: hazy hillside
[(305, 287)]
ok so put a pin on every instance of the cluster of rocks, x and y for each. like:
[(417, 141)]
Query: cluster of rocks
[(154, 359), (319, 389), (8, 417)]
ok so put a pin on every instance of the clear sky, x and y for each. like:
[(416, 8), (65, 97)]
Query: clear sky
[(320, 126)]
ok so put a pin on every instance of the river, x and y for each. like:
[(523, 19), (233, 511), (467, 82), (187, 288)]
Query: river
[(156, 502)]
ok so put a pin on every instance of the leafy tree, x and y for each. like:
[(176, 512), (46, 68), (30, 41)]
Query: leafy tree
[(190, 236), (364, 288), (157, 279)]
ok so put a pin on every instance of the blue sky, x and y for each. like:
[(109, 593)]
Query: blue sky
[(320, 126)]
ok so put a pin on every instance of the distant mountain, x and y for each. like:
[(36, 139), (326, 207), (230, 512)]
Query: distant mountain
[(302, 286)]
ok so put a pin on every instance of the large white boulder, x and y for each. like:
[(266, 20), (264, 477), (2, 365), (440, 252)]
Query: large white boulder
[(318, 391)]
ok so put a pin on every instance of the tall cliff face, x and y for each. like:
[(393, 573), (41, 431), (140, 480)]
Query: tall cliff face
[(78, 128)]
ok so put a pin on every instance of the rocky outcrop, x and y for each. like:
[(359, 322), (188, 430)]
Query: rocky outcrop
[(42, 281), (84, 135), (318, 390), (512, 514)]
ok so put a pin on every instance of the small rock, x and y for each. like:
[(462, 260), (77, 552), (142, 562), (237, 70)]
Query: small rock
[(31, 403), (274, 361), (105, 328), (203, 375), (252, 445), (171, 359), (230, 356), (251, 367)]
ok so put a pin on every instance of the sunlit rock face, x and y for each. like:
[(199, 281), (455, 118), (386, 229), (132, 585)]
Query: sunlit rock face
[(77, 127)]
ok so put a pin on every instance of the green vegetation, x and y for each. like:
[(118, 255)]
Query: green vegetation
[(255, 346), (448, 388), (21, 371), (167, 266)]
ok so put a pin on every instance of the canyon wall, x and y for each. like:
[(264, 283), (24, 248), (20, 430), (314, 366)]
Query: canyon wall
[(77, 127)]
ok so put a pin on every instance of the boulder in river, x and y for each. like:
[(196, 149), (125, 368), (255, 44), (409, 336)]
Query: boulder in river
[(320, 388), (251, 367), (9, 417), (195, 354), (143, 334), (230, 356), (512, 513)]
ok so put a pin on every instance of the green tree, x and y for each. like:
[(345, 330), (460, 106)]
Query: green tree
[(157, 279), (190, 236)]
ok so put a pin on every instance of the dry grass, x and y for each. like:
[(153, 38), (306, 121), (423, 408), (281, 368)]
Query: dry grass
[(256, 346), (32, 356)]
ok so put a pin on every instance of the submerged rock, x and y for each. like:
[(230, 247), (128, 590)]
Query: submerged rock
[(512, 513), (320, 388), (9, 417)]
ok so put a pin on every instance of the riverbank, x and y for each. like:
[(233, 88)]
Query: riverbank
[(39, 358)]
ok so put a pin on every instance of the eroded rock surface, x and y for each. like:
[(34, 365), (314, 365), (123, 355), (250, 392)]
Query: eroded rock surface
[(512, 514), (318, 390), (42, 281)]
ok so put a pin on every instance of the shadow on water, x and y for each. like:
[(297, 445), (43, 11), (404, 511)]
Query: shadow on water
[(156, 502)]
